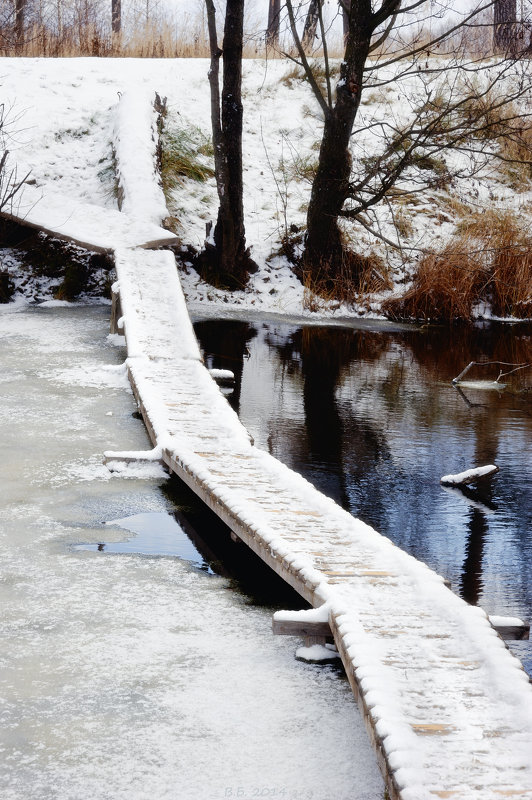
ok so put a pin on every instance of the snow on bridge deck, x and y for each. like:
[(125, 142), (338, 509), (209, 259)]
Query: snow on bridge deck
[(84, 224), (448, 708)]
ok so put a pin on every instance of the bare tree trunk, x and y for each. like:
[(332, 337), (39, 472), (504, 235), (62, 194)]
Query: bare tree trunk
[(346, 10), (116, 17), (272, 31), (311, 24), (20, 8), (505, 39), (323, 245), (229, 258)]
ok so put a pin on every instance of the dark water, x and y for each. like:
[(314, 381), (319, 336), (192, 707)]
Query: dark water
[(372, 419)]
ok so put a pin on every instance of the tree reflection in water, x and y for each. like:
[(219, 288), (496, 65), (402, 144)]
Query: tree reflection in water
[(371, 418)]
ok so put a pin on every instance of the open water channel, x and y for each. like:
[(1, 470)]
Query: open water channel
[(370, 416)]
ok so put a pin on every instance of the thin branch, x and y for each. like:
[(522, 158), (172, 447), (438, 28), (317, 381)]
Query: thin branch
[(429, 45), (488, 364), (382, 38), (325, 55), (304, 61)]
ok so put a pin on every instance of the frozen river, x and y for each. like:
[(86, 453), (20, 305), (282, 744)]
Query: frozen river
[(133, 674)]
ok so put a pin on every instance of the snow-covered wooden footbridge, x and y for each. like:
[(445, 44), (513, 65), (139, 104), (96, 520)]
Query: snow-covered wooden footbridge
[(447, 707)]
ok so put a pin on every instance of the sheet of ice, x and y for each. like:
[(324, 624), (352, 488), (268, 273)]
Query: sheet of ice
[(126, 677)]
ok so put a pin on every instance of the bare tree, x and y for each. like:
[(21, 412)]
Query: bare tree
[(226, 253), (346, 10), (20, 8), (116, 17), (272, 31), (311, 23), (387, 47), (505, 39)]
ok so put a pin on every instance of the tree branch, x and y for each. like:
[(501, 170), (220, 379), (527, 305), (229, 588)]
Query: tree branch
[(304, 61)]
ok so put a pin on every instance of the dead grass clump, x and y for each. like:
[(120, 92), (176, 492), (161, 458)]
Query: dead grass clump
[(40, 40), (489, 261), (453, 205), (85, 31), (299, 168), (509, 129), (296, 75), (184, 154), (356, 277), (403, 224), (484, 113), (445, 287)]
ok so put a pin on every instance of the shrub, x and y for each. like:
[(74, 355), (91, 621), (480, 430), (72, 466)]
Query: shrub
[(489, 260), (358, 276)]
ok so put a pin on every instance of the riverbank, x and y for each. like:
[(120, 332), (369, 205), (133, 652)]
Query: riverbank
[(62, 127)]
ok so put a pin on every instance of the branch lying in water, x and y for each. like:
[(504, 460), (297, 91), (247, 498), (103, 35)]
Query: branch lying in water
[(488, 363)]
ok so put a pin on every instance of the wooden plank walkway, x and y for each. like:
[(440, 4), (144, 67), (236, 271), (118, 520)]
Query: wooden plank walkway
[(448, 709), (85, 224)]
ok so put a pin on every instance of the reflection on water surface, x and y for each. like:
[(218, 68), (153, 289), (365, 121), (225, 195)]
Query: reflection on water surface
[(372, 419), (155, 533)]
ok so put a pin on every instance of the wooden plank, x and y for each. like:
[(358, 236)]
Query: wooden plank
[(511, 629), (296, 627), (92, 227), (116, 313)]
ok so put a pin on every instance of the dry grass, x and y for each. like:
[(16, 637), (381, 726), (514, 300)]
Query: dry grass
[(403, 224), (489, 260), (453, 205), (299, 168), (296, 75), (509, 129), (357, 277), (185, 153), (156, 38)]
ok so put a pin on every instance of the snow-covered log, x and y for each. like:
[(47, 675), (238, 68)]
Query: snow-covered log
[(223, 377), (469, 476), (133, 456), (510, 627)]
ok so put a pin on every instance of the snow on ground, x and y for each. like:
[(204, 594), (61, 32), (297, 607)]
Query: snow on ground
[(63, 130)]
